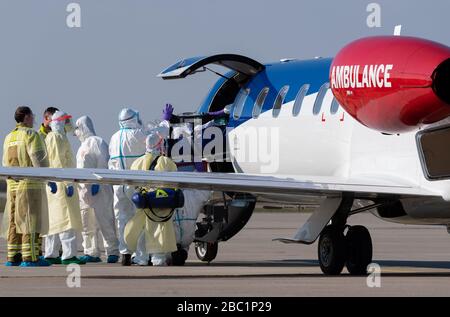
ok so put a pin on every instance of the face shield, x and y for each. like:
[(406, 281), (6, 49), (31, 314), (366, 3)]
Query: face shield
[(68, 127), (61, 122), (154, 143)]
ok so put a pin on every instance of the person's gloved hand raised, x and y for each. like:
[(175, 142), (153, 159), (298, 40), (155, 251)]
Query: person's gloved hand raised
[(53, 187), (167, 112), (95, 189), (222, 112), (69, 191)]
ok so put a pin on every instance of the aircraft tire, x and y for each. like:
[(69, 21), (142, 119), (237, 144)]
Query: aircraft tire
[(359, 250), (205, 251), (332, 251)]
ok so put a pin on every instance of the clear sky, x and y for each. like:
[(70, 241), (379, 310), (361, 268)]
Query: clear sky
[(113, 59)]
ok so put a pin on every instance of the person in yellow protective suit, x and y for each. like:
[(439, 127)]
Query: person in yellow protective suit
[(44, 129), (63, 203), (26, 206), (160, 238)]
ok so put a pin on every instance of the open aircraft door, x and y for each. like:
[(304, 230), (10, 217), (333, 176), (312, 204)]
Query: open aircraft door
[(238, 63), (222, 220)]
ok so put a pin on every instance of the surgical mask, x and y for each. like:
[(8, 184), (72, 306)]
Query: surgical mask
[(77, 133)]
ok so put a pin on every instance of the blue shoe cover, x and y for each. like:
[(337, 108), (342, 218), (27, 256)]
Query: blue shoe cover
[(12, 263), (90, 259), (28, 264), (113, 258), (43, 262)]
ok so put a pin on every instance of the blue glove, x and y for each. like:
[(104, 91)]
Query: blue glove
[(217, 113), (139, 200), (199, 166), (167, 112), (53, 187), (95, 189), (69, 191)]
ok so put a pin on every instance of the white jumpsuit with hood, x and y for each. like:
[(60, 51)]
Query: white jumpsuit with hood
[(97, 212), (125, 147)]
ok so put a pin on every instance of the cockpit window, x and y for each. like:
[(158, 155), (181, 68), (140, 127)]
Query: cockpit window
[(320, 97), (240, 101), (299, 99), (279, 101), (260, 102)]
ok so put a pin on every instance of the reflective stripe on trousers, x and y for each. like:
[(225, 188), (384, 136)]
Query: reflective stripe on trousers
[(27, 244)]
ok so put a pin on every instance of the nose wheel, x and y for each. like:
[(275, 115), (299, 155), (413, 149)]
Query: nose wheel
[(336, 250), (206, 251)]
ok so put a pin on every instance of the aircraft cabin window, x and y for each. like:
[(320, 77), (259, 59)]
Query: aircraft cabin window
[(260, 102), (299, 99), (240, 101), (279, 101), (334, 106), (320, 97)]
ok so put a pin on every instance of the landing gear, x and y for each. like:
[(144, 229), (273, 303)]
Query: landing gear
[(354, 250), (222, 222), (359, 250), (336, 250), (332, 251), (206, 251)]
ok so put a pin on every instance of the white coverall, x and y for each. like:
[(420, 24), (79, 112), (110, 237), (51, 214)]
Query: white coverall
[(125, 147), (64, 211), (185, 218), (96, 211)]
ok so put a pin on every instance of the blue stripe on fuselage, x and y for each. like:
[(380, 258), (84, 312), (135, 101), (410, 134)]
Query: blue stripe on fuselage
[(275, 76)]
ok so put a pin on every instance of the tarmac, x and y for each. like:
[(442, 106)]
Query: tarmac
[(414, 261)]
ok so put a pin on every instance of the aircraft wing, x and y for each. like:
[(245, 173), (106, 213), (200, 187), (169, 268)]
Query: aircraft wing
[(245, 183)]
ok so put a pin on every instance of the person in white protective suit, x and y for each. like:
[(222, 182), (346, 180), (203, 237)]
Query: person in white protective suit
[(125, 147), (63, 202), (185, 219), (160, 238), (96, 201)]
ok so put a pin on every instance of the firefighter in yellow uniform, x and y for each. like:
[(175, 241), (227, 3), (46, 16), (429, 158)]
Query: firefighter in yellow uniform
[(26, 205), (45, 128), (160, 239)]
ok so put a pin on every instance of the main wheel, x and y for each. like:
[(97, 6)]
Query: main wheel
[(206, 251), (332, 251), (359, 250)]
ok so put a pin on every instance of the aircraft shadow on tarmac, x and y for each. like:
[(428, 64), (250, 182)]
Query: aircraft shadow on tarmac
[(407, 269), (314, 263)]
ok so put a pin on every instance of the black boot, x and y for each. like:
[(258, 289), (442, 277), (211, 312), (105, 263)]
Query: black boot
[(18, 258), (126, 259), (179, 257)]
